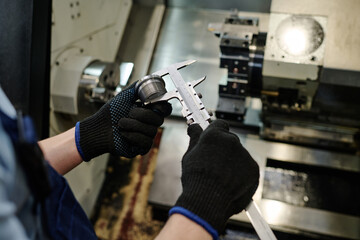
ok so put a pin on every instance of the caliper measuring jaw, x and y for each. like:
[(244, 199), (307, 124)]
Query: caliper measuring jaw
[(151, 89), (192, 107)]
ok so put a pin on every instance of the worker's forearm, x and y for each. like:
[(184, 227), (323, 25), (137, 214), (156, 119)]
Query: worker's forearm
[(179, 227), (61, 152)]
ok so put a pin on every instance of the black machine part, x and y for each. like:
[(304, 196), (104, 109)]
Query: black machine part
[(25, 37)]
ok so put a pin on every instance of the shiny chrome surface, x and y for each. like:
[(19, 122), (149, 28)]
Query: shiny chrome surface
[(98, 82), (101, 74), (294, 219), (296, 39), (257, 220), (150, 87), (342, 30), (126, 69), (299, 35)]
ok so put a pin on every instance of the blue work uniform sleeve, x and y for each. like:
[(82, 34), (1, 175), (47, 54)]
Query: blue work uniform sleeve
[(10, 226)]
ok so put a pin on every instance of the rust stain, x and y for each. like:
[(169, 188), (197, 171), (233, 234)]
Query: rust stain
[(129, 222)]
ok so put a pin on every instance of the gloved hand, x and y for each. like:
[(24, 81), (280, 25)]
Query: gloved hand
[(120, 127), (219, 177)]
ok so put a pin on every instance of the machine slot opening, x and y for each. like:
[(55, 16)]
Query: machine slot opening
[(310, 186)]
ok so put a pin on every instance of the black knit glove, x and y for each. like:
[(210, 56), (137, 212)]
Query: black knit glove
[(219, 177), (120, 127)]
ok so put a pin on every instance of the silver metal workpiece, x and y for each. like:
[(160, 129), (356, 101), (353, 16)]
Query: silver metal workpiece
[(150, 87), (261, 227), (192, 107), (194, 111)]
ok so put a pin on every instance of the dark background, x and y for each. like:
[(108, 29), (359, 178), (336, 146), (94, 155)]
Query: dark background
[(25, 35)]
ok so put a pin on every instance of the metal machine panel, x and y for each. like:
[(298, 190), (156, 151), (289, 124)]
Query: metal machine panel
[(343, 35), (290, 71), (73, 20), (82, 30), (294, 47), (95, 30), (64, 92), (296, 39), (242, 5)]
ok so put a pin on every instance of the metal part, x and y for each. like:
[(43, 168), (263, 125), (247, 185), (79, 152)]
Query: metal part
[(242, 53), (317, 187), (65, 86), (294, 55), (99, 80), (126, 69), (196, 41), (297, 39), (299, 35), (100, 74), (308, 132), (150, 87), (231, 108), (290, 81), (194, 111), (261, 227), (192, 107)]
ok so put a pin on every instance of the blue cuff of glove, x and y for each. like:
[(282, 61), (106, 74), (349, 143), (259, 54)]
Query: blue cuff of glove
[(195, 218), (77, 140)]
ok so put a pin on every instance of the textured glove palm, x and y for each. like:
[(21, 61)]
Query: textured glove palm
[(120, 127), (219, 177)]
